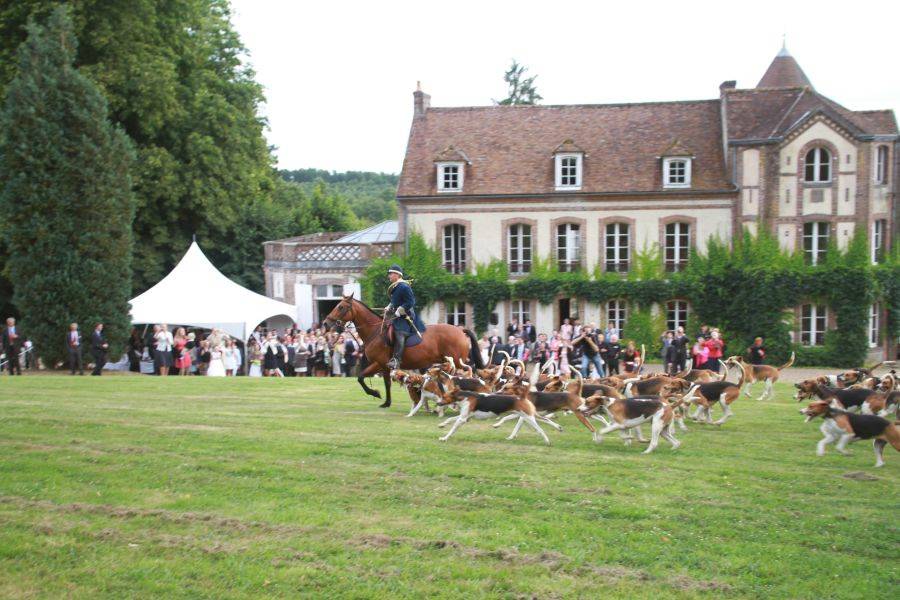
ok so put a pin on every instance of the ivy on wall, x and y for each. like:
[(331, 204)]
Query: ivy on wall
[(747, 289)]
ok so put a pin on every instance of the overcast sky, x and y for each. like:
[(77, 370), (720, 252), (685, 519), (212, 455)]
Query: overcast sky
[(339, 76)]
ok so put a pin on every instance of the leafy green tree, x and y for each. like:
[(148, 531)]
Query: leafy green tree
[(331, 211), (521, 88), (174, 78), (66, 194)]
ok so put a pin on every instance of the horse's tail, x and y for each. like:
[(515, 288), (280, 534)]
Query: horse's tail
[(474, 352)]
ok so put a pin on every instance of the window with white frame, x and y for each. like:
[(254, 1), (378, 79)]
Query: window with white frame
[(616, 313), (881, 164), (450, 177), (456, 313), (455, 248), (818, 166), (519, 248), (568, 247), (617, 245), (568, 171), (874, 325), (813, 319), (277, 285), (676, 314), (677, 246), (677, 172), (878, 228), (815, 241), (521, 311)]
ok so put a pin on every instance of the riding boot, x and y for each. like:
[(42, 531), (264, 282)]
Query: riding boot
[(399, 345)]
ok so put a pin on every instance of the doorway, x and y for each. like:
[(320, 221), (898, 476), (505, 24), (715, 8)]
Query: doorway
[(567, 309), (324, 307)]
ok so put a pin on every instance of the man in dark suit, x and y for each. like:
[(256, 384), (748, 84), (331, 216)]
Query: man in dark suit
[(529, 332), (495, 349), (98, 349), (12, 345), (73, 343)]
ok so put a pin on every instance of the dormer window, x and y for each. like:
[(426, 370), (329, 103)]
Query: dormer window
[(568, 171), (450, 176), (450, 164), (677, 172)]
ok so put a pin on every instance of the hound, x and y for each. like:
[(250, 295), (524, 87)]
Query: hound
[(852, 398), (485, 406), (753, 373), (421, 388), (631, 412), (646, 387), (702, 375), (549, 402), (845, 427), (705, 395), (863, 374)]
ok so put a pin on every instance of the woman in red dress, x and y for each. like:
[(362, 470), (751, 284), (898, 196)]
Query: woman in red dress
[(182, 355)]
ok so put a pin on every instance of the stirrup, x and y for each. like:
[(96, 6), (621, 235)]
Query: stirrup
[(393, 364)]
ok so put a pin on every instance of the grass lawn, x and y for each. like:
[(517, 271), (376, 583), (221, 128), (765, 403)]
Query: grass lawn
[(138, 487)]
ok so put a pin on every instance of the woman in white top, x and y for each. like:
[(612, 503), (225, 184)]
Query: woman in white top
[(229, 358), (216, 362), (164, 342)]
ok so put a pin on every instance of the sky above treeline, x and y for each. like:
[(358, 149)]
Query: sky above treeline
[(339, 76)]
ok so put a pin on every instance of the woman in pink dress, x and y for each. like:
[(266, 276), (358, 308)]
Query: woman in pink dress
[(566, 330), (182, 355)]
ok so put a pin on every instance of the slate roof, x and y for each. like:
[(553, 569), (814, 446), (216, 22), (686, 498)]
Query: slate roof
[(511, 147)]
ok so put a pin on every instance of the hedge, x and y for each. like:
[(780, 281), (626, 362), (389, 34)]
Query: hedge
[(747, 289)]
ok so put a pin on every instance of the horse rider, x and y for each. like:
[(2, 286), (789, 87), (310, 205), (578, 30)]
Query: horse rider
[(403, 307)]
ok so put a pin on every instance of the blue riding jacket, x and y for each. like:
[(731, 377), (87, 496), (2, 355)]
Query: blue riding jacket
[(402, 295)]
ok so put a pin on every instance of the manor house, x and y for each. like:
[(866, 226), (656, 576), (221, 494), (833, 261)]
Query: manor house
[(590, 185)]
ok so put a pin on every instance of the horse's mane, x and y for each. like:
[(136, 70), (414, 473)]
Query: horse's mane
[(366, 306)]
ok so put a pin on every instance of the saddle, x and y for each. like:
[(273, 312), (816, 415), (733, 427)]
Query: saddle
[(388, 337)]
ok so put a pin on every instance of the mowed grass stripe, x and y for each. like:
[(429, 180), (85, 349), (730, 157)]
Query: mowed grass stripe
[(127, 486)]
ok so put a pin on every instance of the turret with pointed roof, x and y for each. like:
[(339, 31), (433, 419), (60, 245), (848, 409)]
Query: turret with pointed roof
[(784, 72)]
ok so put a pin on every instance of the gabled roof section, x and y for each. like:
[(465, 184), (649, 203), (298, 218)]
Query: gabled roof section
[(784, 71), (676, 148), (568, 146), (451, 154), (510, 146), (761, 114)]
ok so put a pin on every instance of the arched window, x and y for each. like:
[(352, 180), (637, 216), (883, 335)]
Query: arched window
[(818, 165), (568, 247), (519, 246), (616, 313), (815, 241), (677, 246), (676, 314), (455, 248), (617, 244), (881, 162)]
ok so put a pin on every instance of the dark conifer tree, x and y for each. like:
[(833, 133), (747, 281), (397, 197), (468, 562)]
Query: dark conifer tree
[(65, 195)]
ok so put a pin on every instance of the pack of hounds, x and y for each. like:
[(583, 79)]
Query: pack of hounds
[(854, 405)]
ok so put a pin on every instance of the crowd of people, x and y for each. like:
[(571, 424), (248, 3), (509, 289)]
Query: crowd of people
[(315, 352), (290, 353), (595, 351)]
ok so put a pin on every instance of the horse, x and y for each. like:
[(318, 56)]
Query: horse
[(438, 342)]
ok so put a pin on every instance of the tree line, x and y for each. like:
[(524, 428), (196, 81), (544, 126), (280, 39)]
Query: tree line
[(126, 130)]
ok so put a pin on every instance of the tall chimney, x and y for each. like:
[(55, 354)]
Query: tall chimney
[(421, 101)]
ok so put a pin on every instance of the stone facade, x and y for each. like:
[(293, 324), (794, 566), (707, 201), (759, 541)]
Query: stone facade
[(746, 158)]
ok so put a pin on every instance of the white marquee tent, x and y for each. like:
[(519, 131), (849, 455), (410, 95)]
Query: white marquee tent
[(195, 293)]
